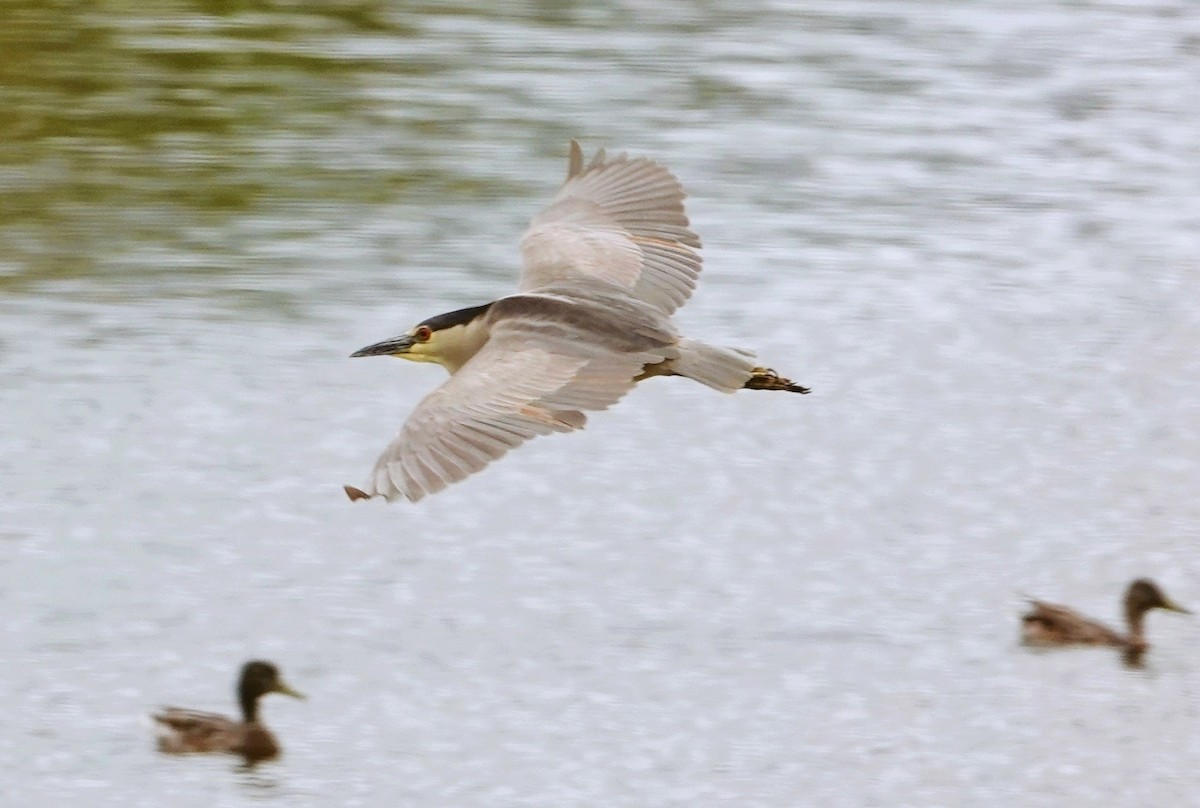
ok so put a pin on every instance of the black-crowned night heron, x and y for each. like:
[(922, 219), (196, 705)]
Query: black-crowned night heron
[(605, 266)]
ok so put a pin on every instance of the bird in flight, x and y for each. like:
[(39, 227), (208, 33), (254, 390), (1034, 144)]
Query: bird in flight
[(605, 265)]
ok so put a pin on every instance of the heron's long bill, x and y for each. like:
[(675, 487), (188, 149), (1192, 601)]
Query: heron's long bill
[(395, 345)]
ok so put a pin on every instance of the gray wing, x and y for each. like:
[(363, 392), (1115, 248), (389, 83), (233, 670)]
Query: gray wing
[(521, 384), (619, 220)]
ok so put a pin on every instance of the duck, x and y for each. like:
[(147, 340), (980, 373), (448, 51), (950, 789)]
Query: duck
[(182, 731), (1048, 625)]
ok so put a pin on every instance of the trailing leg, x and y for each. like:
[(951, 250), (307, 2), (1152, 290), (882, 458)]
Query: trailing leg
[(767, 379)]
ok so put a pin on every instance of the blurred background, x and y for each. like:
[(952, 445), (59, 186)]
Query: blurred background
[(973, 229)]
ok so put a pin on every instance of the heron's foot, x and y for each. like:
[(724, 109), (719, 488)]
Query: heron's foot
[(767, 379), (355, 493)]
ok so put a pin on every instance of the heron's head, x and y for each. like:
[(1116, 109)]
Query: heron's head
[(448, 339)]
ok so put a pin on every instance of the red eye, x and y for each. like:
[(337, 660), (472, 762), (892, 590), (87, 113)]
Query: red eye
[(423, 333)]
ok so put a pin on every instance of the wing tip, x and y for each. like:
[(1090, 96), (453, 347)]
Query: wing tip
[(355, 494), (575, 162)]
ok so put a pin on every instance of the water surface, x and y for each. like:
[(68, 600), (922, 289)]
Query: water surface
[(973, 230)]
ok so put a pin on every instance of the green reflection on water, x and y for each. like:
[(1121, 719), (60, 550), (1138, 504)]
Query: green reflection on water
[(135, 132)]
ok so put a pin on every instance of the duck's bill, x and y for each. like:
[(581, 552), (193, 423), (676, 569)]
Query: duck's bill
[(286, 689), (1175, 607)]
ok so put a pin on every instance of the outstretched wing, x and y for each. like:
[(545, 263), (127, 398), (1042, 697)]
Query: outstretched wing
[(523, 383), (619, 220)]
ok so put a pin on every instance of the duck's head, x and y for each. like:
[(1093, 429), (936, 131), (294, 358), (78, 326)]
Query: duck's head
[(258, 679), (1144, 595)]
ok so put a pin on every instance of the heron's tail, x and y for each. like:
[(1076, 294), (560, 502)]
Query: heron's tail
[(724, 369)]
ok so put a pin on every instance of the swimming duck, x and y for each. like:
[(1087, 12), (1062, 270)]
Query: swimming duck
[(183, 731), (1050, 625)]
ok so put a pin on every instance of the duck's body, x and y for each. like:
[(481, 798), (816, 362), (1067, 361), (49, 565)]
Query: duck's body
[(1049, 625), (182, 731)]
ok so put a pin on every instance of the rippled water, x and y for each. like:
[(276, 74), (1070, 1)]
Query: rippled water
[(973, 229)]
